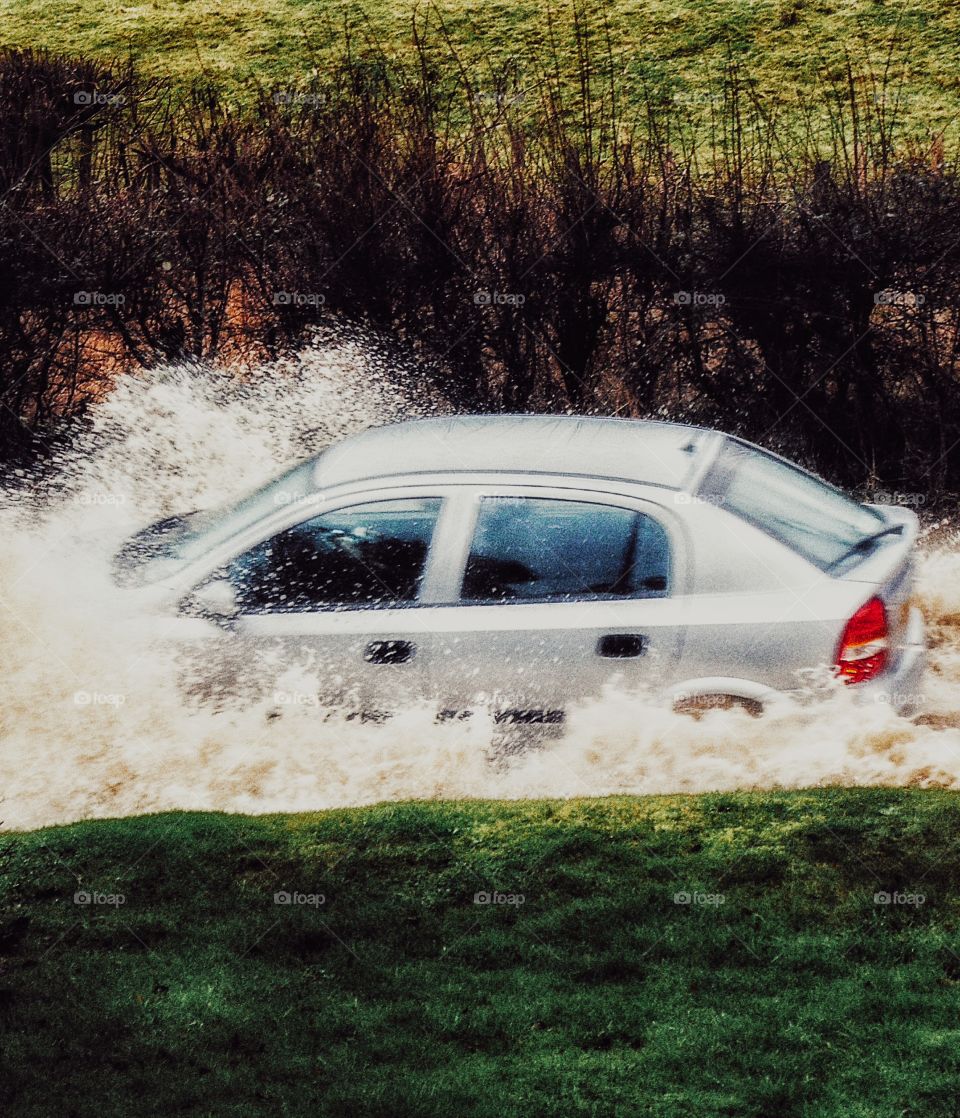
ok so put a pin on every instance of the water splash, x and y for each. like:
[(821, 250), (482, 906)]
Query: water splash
[(92, 722)]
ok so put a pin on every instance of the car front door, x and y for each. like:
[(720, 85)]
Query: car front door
[(326, 612), (555, 595)]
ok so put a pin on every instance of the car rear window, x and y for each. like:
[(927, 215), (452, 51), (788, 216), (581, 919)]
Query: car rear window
[(536, 549), (815, 519)]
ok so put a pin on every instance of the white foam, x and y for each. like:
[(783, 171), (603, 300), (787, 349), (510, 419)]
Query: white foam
[(186, 437)]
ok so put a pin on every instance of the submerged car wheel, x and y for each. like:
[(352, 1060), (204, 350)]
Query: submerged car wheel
[(697, 705)]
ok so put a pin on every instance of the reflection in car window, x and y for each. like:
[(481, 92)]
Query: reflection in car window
[(539, 549), (367, 556), (813, 518)]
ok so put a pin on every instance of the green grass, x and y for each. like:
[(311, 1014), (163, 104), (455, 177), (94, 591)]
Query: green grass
[(599, 995), (786, 46)]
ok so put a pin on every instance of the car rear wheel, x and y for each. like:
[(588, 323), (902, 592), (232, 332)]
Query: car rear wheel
[(698, 705)]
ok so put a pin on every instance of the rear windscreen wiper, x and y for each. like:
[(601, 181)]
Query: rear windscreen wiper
[(867, 543)]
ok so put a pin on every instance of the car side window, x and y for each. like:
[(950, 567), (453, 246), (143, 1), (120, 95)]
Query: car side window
[(368, 556), (538, 549)]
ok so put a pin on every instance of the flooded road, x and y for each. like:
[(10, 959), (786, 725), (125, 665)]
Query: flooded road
[(92, 722)]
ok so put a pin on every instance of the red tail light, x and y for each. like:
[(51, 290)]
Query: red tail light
[(864, 646)]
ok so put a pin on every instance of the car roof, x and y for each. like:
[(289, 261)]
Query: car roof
[(644, 451)]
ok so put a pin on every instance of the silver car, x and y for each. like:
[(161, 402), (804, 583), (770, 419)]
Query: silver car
[(522, 563)]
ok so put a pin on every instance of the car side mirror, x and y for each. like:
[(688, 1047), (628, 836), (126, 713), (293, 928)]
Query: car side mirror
[(215, 600)]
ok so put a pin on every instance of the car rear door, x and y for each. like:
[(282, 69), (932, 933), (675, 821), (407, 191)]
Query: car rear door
[(549, 595)]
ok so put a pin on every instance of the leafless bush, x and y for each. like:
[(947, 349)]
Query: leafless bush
[(545, 245)]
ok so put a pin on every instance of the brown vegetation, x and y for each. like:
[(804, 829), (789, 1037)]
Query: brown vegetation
[(542, 251)]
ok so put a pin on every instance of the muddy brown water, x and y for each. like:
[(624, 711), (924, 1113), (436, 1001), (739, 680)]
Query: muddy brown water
[(93, 724)]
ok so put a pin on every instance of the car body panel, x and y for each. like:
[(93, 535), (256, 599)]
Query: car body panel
[(544, 655)]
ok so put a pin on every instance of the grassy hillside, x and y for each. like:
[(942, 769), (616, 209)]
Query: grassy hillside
[(781, 989), (786, 46)]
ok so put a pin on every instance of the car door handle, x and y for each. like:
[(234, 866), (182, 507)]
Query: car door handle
[(621, 646), (389, 652)]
